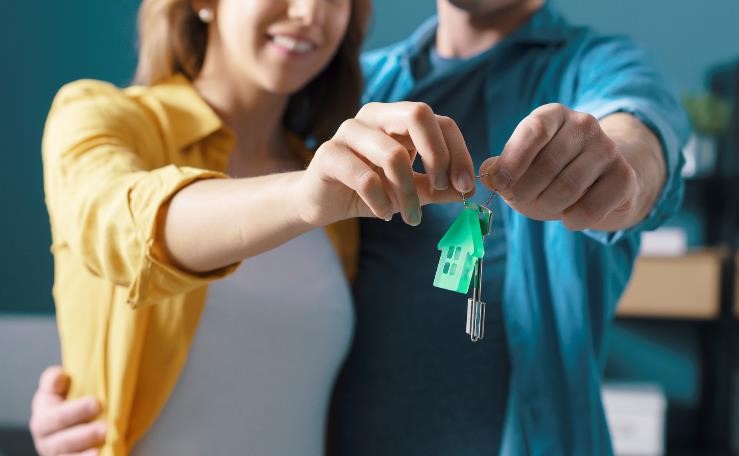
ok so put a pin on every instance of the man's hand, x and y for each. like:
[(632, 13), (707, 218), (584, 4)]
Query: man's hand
[(564, 165), (61, 427)]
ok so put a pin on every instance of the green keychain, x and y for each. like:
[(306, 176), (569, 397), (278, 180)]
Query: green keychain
[(462, 253), (461, 247)]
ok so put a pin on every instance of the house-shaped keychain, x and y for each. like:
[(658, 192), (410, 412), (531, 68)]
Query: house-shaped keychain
[(461, 248)]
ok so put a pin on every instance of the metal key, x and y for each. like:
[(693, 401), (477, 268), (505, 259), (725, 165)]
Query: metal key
[(475, 305)]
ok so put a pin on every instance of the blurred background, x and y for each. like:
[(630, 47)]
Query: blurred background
[(672, 375)]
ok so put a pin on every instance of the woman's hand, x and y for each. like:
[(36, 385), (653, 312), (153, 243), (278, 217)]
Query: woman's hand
[(366, 170), (63, 427)]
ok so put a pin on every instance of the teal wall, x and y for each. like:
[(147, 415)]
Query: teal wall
[(46, 44)]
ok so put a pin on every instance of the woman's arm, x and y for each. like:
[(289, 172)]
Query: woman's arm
[(364, 170)]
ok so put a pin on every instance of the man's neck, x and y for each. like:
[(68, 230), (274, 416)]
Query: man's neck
[(464, 33)]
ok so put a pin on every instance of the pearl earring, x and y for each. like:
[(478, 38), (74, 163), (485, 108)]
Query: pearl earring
[(205, 15)]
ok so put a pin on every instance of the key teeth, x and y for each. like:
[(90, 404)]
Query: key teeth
[(475, 320)]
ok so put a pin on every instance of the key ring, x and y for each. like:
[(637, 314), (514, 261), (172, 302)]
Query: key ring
[(490, 199)]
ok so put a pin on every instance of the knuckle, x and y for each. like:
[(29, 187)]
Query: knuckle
[(515, 195), (397, 158), (572, 222), (537, 129), (587, 210), (585, 122), (367, 107), (568, 185), (345, 127), (551, 160), (446, 122), (608, 149), (419, 110), (554, 109), (324, 151), (367, 181)]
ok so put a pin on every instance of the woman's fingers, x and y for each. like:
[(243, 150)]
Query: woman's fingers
[(419, 123), (339, 164), (427, 195), (461, 168), (387, 154)]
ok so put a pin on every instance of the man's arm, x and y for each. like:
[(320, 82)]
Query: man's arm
[(642, 151)]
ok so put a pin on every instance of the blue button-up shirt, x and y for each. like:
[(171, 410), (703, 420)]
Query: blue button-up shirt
[(560, 288)]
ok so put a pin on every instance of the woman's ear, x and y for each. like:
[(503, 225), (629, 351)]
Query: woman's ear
[(203, 5), (204, 9)]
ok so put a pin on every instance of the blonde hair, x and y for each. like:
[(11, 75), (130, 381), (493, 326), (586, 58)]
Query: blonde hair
[(172, 40)]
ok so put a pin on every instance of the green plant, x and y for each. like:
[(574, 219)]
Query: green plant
[(709, 114)]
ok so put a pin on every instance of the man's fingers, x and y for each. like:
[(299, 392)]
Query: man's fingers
[(530, 136), (63, 415), (76, 439), (417, 121), (572, 183), (549, 162), (461, 168), (609, 193)]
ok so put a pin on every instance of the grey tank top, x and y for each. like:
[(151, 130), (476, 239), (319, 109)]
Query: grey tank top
[(265, 356)]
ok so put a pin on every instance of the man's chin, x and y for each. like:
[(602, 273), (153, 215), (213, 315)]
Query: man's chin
[(484, 6)]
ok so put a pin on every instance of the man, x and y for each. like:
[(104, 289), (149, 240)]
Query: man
[(589, 144)]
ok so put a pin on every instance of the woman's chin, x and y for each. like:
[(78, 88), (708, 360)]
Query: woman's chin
[(287, 85)]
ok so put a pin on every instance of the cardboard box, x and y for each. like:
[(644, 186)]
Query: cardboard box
[(683, 287), (636, 418)]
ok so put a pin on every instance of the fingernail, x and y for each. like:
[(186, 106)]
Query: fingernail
[(441, 182), (417, 216), (101, 429), (464, 183), (414, 214), (500, 180), (93, 406)]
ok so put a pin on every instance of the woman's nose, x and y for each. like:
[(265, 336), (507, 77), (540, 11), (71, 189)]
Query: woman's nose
[(308, 12)]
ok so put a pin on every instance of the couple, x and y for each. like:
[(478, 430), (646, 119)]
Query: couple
[(157, 192)]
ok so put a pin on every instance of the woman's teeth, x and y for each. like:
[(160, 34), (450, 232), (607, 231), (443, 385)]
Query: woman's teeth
[(293, 44)]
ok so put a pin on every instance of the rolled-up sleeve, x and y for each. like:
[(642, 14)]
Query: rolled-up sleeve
[(615, 75), (106, 200)]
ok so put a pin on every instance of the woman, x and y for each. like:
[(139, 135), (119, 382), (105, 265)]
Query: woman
[(145, 219)]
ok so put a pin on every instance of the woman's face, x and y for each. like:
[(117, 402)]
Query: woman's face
[(280, 45)]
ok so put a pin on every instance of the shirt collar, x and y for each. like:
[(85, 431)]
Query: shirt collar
[(545, 26), (190, 118)]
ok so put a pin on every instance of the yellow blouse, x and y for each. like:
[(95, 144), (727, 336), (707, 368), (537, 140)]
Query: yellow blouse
[(112, 160)]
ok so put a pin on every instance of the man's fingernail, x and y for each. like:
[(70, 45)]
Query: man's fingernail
[(500, 180), (101, 429), (464, 183)]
